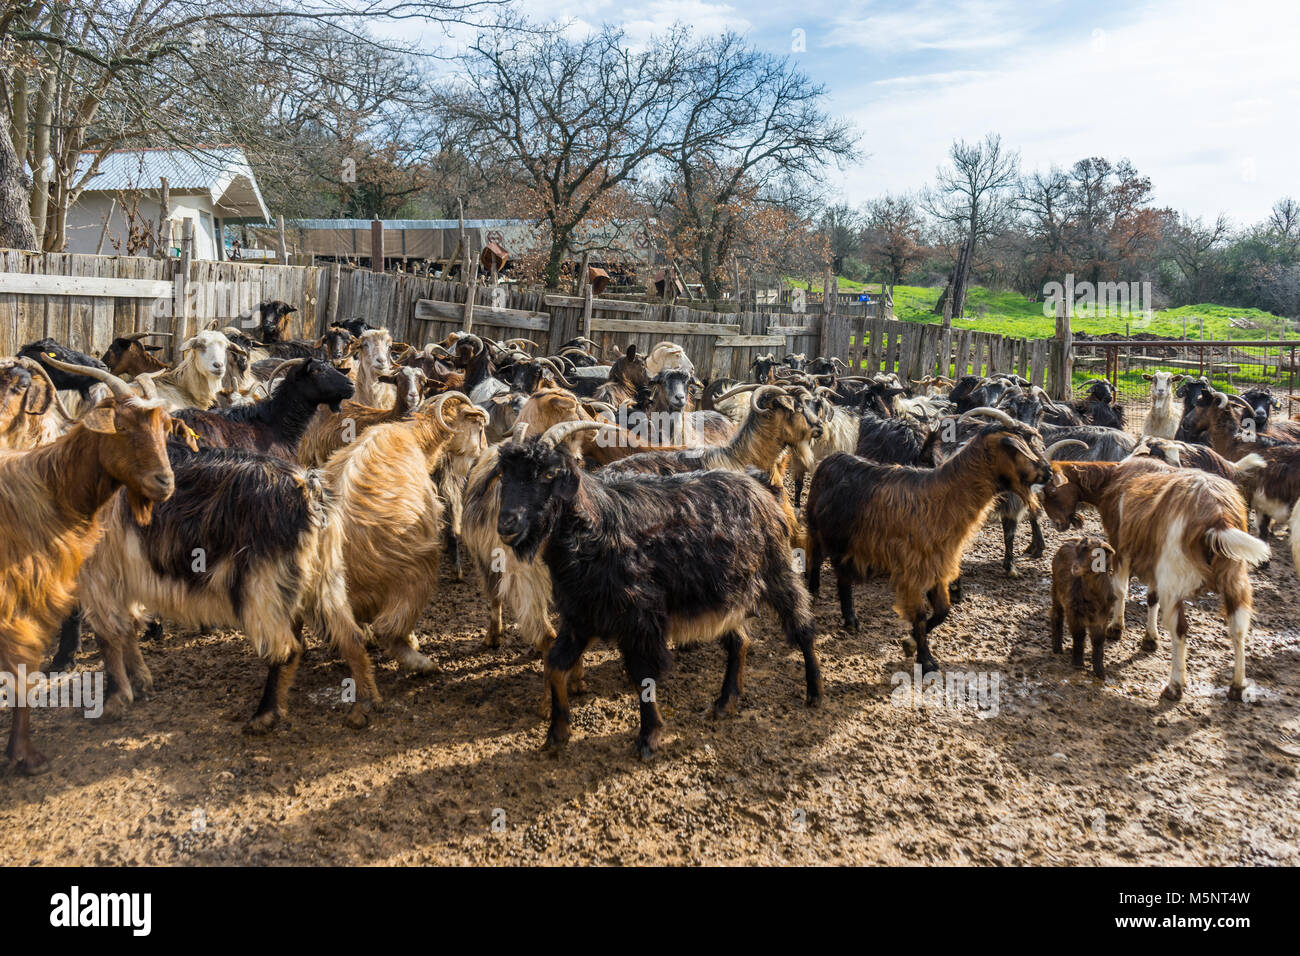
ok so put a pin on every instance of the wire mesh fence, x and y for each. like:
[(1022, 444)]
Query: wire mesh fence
[(1230, 366)]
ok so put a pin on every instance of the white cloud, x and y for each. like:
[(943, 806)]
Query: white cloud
[(1202, 97)]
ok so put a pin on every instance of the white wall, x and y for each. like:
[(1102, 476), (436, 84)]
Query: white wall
[(86, 222)]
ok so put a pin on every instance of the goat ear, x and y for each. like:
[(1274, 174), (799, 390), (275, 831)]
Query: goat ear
[(153, 348), (1148, 376), (566, 485), (39, 398), (1178, 377), (101, 419), (187, 345)]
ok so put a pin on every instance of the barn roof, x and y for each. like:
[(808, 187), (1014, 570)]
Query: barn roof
[(222, 172)]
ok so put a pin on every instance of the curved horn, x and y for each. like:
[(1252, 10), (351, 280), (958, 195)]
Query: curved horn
[(137, 336), (985, 412), (118, 387), (520, 342), (1221, 399), (436, 406), (555, 370), (762, 392), (284, 365), (1064, 442), (37, 368), (565, 430), (736, 390)]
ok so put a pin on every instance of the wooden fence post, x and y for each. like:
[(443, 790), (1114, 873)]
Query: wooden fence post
[(376, 245), (181, 330), (586, 311), (471, 293), (163, 250)]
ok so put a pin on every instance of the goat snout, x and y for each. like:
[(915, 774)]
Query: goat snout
[(160, 485), (510, 525)]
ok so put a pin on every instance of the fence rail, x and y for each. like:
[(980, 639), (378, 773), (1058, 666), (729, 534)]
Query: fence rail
[(85, 301)]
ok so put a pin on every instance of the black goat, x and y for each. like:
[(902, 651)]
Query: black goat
[(1098, 406), (274, 426), (81, 384), (648, 561)]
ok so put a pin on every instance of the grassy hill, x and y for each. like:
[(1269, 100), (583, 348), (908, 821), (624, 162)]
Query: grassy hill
[(1010, 313)]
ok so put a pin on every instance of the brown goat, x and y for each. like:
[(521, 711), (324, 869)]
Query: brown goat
[(329, 431), (914, 523), (1083, 597), (1181, 533), (49, 500)]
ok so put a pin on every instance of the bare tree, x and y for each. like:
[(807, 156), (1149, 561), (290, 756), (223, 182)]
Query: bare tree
[(573, 120), (893, 235), (1194, 247), (82, 77), (752, 133), (974, 196)]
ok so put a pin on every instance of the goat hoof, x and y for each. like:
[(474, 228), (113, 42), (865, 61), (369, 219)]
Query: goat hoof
[(1148, 644), (63, 665), (262, 724), (929, 666), (1099, 673), (1235, 693), (851, 623), (358, 716), (1077, 661), (1172, 692), (724, 707), (556, 740), (646, 746), (1034, 551), (115, 708), (34, 764), (1012, 572), (815, 699), (1114, 633)]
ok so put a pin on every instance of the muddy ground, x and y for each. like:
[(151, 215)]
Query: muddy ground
[(1066, 771)]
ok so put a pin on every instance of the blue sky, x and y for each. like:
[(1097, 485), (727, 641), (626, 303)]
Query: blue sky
[(1202, 95)]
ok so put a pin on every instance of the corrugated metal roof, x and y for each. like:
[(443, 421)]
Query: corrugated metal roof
[(399, 224), (211, 169)]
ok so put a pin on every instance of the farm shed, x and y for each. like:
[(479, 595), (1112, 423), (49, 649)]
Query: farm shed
[(214, 186)]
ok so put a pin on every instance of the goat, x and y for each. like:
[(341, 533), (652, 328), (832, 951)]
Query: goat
[(914, 523), (764, 367), (1219, 417), (274, 426), (127, 356), (328, 430), (1083, 597), (31, 412), (50, 498), (1161, 421), (1262, 405), (373, 361), (779, 419), (44, 350), (265, 576), (648, 561), (1181, 533), (626, 376), (1190, 392), (196, 380), (1098, 406), (269, 320), (842, 429), (393, 518), (451, 472)]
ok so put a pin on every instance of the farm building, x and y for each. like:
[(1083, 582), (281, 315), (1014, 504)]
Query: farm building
[(213, 186), (622, 249)]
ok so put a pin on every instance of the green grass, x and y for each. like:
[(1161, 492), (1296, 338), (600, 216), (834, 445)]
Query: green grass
[(1010, 313)]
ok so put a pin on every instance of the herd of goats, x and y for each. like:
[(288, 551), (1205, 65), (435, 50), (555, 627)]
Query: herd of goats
[(265, 484)]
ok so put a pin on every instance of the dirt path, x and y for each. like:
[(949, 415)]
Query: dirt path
[(1064, 772)]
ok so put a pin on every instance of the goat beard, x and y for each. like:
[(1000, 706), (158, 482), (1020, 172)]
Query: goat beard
[(141, 508)]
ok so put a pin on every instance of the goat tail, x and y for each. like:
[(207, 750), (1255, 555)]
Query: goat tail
[(1238, 545), (1251, 465)]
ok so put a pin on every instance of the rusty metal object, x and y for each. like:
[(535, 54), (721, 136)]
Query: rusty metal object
[(493, 256), (598, 279)]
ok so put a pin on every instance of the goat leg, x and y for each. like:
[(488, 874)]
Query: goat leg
[(30, 760), (844, 581), (1149, 642), (736, 644), (275, 696), (1009, 524), (1098, 638), (1078, 635), (1036, 543), (560, 659), (1056, 620), (65, 658)]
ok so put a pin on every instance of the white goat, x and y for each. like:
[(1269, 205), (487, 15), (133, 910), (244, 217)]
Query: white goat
[(196, 381), (1162, 420), (374, 358)]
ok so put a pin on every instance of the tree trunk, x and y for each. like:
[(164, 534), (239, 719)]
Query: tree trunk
[(555, 260), (16, 230)]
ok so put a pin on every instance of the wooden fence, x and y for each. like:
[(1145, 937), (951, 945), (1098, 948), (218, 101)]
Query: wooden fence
[(84, 301)]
